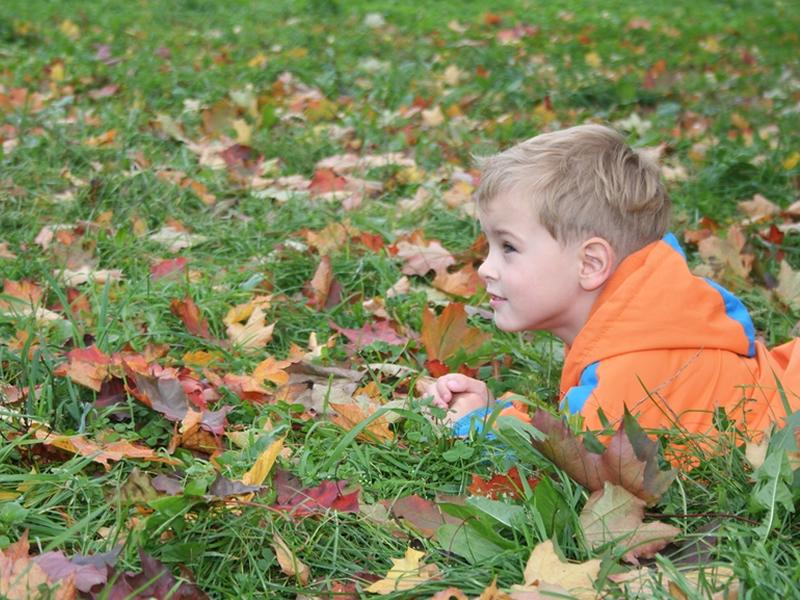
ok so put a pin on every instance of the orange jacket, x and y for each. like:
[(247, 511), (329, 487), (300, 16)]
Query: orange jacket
[(674, 347)]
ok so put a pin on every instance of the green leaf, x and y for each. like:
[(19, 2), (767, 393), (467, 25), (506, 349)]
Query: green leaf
[(506, 514), (467, 543)]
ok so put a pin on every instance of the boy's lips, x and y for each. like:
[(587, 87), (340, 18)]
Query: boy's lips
[(495, 300)]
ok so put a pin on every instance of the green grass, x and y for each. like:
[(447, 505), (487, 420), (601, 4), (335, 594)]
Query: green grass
[(724, 63)]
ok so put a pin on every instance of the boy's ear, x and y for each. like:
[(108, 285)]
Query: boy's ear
[(597, 262)]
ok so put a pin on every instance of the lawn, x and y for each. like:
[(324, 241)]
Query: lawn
[(236, 238)]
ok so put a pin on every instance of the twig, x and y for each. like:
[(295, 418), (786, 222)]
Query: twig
[(700, 516)]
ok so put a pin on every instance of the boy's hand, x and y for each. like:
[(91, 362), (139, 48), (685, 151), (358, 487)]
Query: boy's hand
[(459, 395)]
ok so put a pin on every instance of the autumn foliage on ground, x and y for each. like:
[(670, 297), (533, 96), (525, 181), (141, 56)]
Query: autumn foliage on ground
[(236, 240)]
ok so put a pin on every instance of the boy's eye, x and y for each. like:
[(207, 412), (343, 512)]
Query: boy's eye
[(508, 248)]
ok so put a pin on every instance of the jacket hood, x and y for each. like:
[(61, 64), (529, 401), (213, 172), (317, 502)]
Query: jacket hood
[(637, 312)]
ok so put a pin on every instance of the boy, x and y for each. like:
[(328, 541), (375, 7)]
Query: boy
[(577, 228)]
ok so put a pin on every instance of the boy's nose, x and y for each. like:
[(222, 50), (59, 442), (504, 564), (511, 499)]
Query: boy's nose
[(485, 271)]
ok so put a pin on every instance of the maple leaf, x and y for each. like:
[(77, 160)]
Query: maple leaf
[(299, 502), (21, 578), (447, 334), (263, 464), (788, 289), (545, 572), (423, 515), (406, 573), (420, 256), (351, 414), (318, 289), (615, 515), (723, 258), (165, 268), (290, 564), (85, 571), (86, 366), (271, 369), (176, 239), (188, 312), (465, 282), (630, 458), (758, 209), (154, 581), (101, 452), (500, 484), (325, 180), (379, 331), (252, 335)]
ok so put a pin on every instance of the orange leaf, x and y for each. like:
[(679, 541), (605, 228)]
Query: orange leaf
[(445, 335), (86, 366), (98, 451), (325, 180), (464, 282), (188, 312), (318, 289), (349, 415), (272, 370)]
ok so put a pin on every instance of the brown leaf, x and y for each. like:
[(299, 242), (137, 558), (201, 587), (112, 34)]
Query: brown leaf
[(630, 459), (420, 256), (788, 289), (615, 515), (465, 282), (759, 208), (318, 289), (350, 414), (447, 334), (99, 451), (545, 567), (290, 564), (188, 312), (22, 579), (724, 257), (423, 515)]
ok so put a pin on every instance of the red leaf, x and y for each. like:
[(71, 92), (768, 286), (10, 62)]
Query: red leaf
[(325, 180), (242, 160), (500, 484), (328, 495), (155, 581), (436, 367), (379, 331), (189, 313), (167, 267), (424, 515)]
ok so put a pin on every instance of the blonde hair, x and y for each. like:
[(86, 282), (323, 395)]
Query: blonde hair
[(583, 181)]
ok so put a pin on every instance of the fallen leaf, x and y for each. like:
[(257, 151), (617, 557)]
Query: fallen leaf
[(406, 573), (253, 335), (447, 334), (500, 484), (630, 458), (87, 274), (350, 414), (788, 289), (261, 468), (272, 370), (22, 579), (188, 312), (423, 515), (420, 256), (378, 331), (176, 239), (300, 502), (545, 567), (318, 289), (724, 258), (615, 515), (86, 366), (290, 564), (759, 209), (154, 581), (98, 451), (450, 593), (465, 282)]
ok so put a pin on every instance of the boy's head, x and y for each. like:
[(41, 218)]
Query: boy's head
[(582, 182), (559, 212)]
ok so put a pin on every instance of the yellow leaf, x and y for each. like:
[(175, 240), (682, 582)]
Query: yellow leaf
[(593, 60), (69, 29), (788, 289), (263, 465), (545, 567), (200, 358), (272, 370), (791, 161), (244, 132), (259, 61), (57, 72), (406, 573), (290, 564)]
